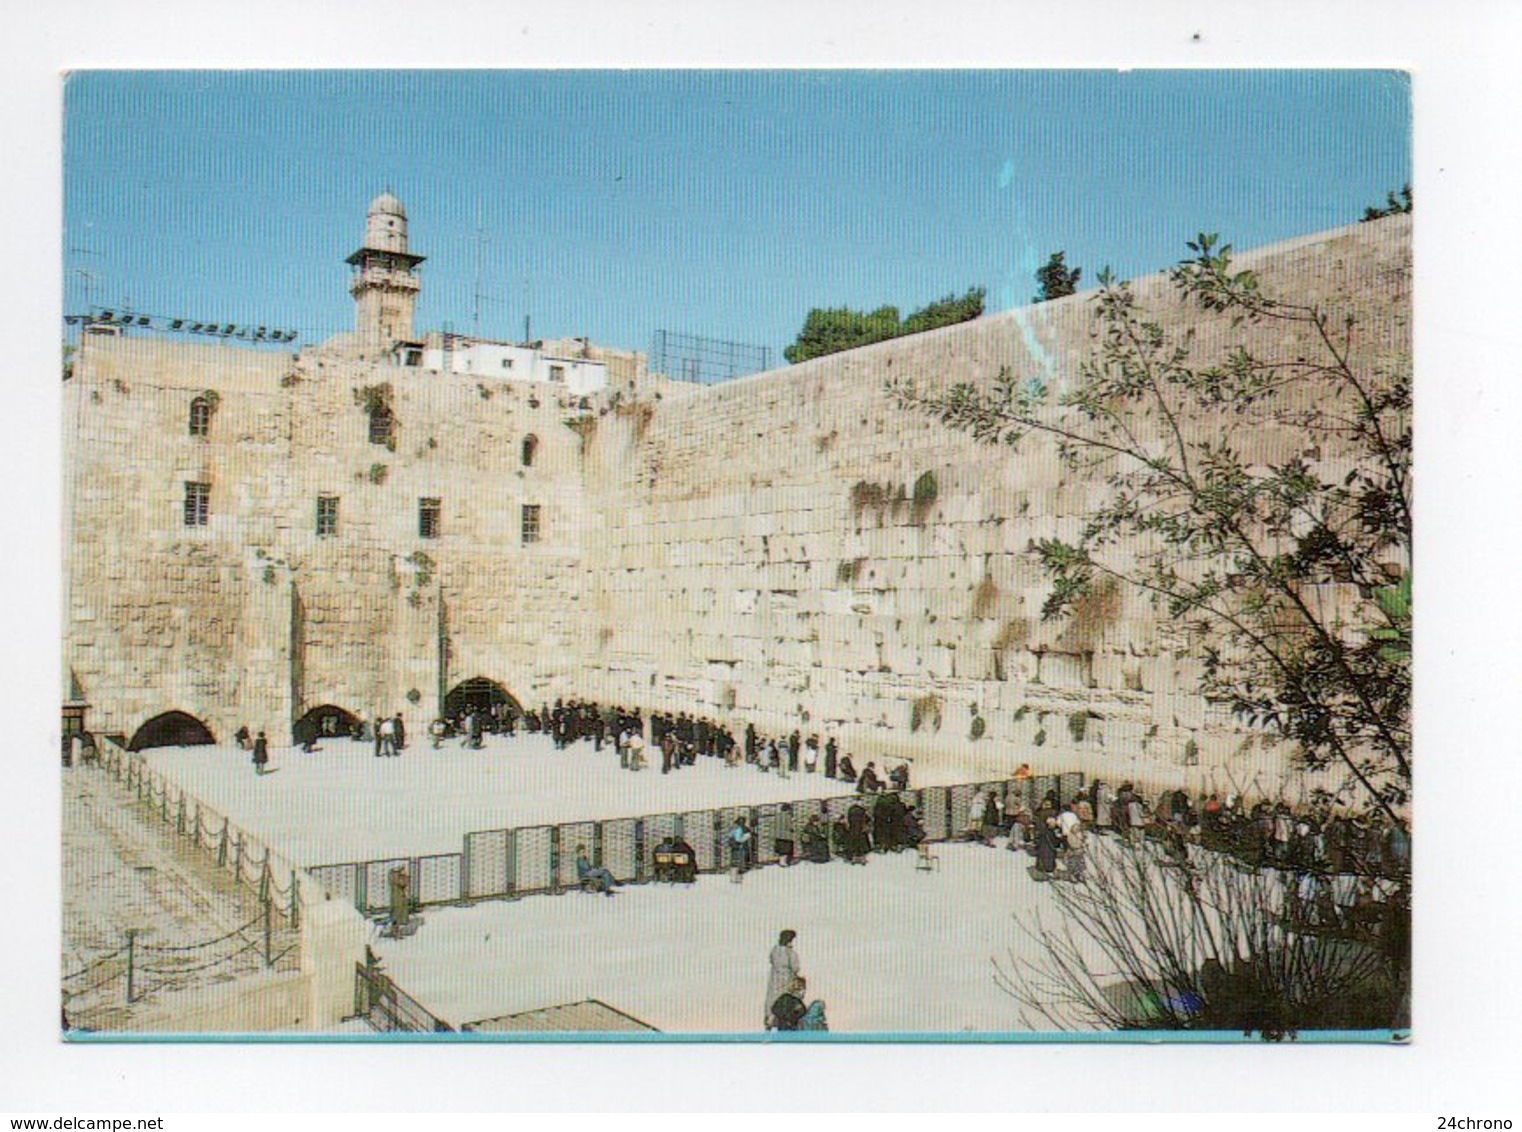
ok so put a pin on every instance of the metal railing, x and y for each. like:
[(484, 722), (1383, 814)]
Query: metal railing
[(388, 1008)]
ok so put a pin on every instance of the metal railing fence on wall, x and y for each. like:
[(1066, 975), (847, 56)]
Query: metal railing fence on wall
[(271, 936), (388, 1008), (507, 863)]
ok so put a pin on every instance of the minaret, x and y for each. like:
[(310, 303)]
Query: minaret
[(385, 282)]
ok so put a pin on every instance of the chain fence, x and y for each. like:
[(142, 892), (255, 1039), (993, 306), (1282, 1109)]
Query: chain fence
[(107, 984)]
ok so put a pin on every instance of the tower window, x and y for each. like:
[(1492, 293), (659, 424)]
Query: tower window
[(429, 518), (530, 523), (530, 448), (197, 503), (557, 373), (327, 515), (200, 417), (382, 425)]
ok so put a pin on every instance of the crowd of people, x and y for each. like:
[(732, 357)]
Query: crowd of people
[(1315, 837), (678, 741), (1347, 868)]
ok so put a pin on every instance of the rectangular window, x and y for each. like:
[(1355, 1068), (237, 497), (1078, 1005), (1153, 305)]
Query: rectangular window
[(429, 512), (327, 515), (557, 373), (380, 425), (197, 504), (530, 523)]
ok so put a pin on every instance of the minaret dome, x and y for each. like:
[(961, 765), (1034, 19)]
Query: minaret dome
[(386, 224)]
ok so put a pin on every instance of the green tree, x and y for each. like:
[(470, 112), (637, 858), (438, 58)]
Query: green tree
[(1275, 573), (1394, 205), (1056, 279), (947, 311), (829, 330)]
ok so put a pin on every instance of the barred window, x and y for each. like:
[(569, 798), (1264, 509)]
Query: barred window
[(429, 518), (197, 503), (381, 425), (557, 373), (530, 447), (200, 417), (530, 523), (327, 515)]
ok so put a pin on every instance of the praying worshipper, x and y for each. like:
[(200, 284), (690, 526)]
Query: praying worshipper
[(600, 879), (870, 783), (816, 841), (739, 841), (782, 969), (911, 829), (261, 753), (1048, 843), (788, 1009), (847, 769), (898, 777), (400, 882), (813, 1018)]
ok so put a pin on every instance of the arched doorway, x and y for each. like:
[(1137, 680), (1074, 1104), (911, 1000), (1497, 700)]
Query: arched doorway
[(326, 722), (171, 729), (479, 694)]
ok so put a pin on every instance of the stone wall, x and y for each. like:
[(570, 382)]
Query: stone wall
[(760, 552), (789, 548), (255, 618)]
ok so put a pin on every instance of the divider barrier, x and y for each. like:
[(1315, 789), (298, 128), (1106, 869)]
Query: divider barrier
[(500, 864)]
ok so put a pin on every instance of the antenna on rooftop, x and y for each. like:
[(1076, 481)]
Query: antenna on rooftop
[(481, 238), (527, 335)]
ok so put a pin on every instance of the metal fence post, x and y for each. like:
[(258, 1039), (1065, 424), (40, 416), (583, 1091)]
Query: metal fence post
[(268, 950), (222, 847), (295, 901), (179, 816)]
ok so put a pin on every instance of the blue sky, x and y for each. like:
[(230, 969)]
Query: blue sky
[(725, 204)]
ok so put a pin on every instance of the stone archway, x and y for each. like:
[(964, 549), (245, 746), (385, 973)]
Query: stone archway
[(171, 729), (328, 721), (479, 693)]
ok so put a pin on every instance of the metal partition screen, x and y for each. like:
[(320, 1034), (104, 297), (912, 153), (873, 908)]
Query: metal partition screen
[(438, 879), (532, 860), (618, 855), (486, 855), (697, 831)]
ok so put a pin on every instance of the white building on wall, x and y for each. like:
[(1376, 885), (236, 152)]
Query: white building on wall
[(505, 361)]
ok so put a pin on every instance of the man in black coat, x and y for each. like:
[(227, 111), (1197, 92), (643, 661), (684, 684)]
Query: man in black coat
[(886, 818)]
